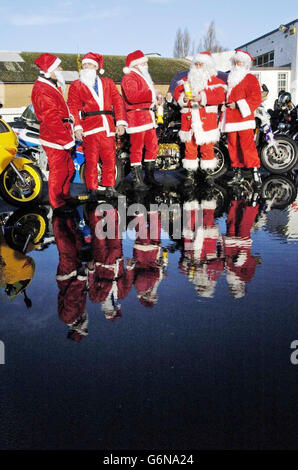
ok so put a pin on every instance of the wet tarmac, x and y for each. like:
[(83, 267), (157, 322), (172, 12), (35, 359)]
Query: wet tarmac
[(153, 338)]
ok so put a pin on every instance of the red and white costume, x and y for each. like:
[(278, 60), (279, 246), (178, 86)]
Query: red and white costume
[(99, 130), (139, 98), (199, 119), (240, 263), (200, 260), (109, 281), (147, 255), (56, 136), (243, 89), (71, 278)]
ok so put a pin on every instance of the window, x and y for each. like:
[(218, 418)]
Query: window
[(282, 81), (265, 60)]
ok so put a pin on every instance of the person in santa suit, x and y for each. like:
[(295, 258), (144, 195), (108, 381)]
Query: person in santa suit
[(109, 280), (55, 132), (93, 101), (147, 255), (200, 260), (243, 98), (199, 95), (71, 277), (240, 263), (140, 97)]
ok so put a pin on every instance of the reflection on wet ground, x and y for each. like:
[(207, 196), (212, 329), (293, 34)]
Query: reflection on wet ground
[(183, 304)]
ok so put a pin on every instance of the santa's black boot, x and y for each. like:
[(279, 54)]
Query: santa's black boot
[(237, 178), (137, 178), (257, 180), (149, 174)]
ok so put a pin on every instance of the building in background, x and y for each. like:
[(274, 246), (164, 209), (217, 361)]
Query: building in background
[(276, 60)]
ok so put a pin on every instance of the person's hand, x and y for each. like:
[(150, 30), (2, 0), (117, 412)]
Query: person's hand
[(185, 99), (79, 134), (223, 107), (120, 129), (232, 105)]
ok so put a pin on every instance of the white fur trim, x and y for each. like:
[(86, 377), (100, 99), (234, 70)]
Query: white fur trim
[(139, 247), (242, 257), (244, 108), (54, 65), (207, 137), (90, 61), (191, 205), (78, 128), (208, 164), (203, 59), (101, 71), (236, 241), (94, 131), (65, 277), (51, 145), (208, 205), (203, 98), (211, 109), (185, 136), (141, 60), (188, 233), (126, 70), (121, 123), (181, 102), (43, 80), (211, 232), (145, 127), (242, 57), (69, 145), (190, 164), (239, 126)]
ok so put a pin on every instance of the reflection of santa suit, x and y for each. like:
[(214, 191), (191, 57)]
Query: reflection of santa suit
[(240, 122), (200, 260), (199, 123), (108, 281), (99, 130), (147, 253), (240, 263), (71, 277), (139, 98), (56, 138)]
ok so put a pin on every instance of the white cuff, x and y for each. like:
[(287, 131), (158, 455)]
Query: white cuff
[(181, 101), (244, 108), (77, 128), (121, 123), (69, 145)]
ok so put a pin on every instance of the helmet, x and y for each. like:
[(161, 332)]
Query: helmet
[(284, 98)]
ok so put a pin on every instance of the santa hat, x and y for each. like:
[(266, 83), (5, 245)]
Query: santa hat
[(95, 59), (134, 58), (204, 58), (47, 63), (242, 56)]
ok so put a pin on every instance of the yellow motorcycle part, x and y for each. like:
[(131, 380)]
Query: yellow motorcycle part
[(22, 164)]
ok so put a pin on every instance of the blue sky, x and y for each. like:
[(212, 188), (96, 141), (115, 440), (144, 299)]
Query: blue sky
[(119, 27)]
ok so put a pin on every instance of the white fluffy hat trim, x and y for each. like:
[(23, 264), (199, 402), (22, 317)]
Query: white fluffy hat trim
[(142, 60)]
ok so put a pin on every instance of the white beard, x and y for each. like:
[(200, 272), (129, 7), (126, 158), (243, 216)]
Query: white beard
[(198, 78), (88, 76), (236, 76), (60, 80), (143, 69)]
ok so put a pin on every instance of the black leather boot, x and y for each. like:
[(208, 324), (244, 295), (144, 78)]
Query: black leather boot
[(256, 177), (149, 174), (237, 178), (189, 179), (137, 178)]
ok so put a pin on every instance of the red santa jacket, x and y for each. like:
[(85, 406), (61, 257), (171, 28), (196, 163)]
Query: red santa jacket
[(138, 94), (84, 98), (200, 119), (50, 109), (247, 95)]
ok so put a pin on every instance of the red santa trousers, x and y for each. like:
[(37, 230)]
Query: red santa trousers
[(242, 149), (191, 150), (61, 169), (138, 141), (97, 146)]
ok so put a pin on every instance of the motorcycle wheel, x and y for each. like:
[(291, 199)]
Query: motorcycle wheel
[(119, 173), (23, 224), (286, 158), (222, 157), (15, 192), (280, 189)]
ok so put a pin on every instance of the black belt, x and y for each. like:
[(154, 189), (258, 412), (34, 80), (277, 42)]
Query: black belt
[(138, 109), (67, 120), (85, 114)]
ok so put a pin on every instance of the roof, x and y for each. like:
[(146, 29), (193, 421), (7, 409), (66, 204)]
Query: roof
[(162, 70), (267, 34)]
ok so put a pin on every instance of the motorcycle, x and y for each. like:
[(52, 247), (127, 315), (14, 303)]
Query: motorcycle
[(20, 180), (284, 117)]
